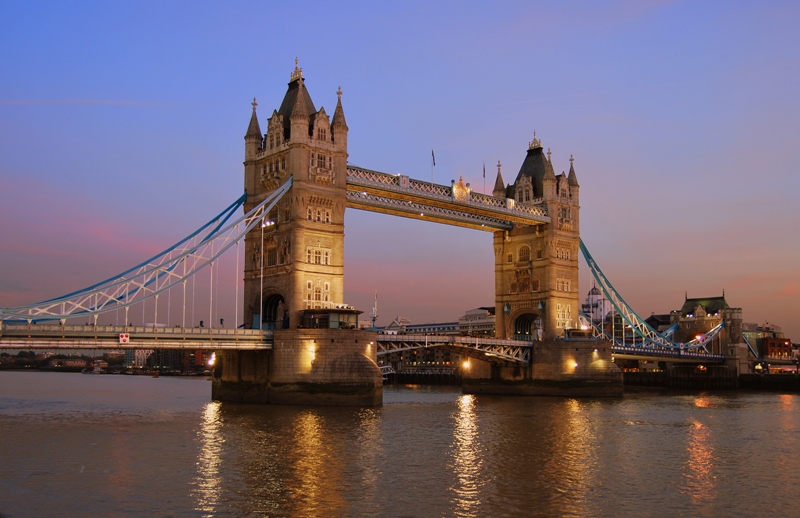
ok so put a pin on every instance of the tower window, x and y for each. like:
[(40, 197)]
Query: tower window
[(524, 254), (327, 216)]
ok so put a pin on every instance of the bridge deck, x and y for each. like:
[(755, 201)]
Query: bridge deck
[(513, 351), (56, 336)]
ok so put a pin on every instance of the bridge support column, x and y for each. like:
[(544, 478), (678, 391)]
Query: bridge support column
[(331, 367), (241, 376), (328, 367), (570, 368)]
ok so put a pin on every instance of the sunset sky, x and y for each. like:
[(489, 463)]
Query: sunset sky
[(122, 125)]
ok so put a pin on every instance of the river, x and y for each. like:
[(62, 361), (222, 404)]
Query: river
[(103, 445)]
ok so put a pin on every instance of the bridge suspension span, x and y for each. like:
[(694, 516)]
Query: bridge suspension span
[(651, 339), (170, 268)]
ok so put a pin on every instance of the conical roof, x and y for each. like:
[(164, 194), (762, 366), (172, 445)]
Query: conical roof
[(534, 166), (499, 186), (338, 114), (253, 130), (573, 178)]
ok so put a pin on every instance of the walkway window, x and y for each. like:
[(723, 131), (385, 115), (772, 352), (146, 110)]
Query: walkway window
[(524, 254)]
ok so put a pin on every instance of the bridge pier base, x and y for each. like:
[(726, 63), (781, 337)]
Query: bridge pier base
[(566, 368), (325, 367), (241, 376)]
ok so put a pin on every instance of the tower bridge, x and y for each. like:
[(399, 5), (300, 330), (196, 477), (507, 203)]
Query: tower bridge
[(300, 343)]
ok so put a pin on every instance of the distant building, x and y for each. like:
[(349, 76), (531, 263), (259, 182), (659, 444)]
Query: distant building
[(768, 340), (596, 307), (698, 316), (478, 322)]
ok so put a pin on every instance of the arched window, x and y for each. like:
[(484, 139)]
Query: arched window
[(310, 214), (524, 254), (327, 216), (319, 215), (317, 256), (326, 258)]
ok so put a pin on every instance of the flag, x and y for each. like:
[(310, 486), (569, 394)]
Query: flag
[(433, 157)]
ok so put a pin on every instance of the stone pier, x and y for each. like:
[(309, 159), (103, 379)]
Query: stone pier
[(328, 367), (567, 368)]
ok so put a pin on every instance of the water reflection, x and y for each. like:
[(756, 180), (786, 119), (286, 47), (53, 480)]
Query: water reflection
[(208, 480), (317, 470), (699, 468), (466, 459)]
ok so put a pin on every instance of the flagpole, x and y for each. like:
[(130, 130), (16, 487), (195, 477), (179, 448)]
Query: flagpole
[(433, 163), (484, 177)]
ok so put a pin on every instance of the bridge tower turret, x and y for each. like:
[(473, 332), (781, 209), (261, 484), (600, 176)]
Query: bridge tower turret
[(299, 262), (536, 267)]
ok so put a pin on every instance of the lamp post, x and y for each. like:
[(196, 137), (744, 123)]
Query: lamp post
[(261, 291)]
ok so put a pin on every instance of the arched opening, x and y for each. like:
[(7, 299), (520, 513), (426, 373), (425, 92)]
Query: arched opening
[(275, 314), (527, 327)]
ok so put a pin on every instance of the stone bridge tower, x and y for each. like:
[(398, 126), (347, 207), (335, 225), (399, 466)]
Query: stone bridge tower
[(536, 267), (298, 264)]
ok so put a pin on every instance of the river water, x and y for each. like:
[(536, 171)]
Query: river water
[(80, 445)]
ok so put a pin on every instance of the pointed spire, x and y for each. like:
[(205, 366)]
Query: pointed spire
[(573, 179), (300, 109), (499, 190), (549, 174), (254, 130), (338, 113)]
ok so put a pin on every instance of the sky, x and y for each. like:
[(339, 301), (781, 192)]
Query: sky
[(122, 125)]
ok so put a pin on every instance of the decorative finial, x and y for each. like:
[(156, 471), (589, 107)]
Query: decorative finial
[(571, 160), (254, 103), (535, 143), (498, 167), (548, 154), (298, 72), (339, 93)]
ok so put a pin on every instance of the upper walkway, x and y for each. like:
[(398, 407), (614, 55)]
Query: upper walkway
[(454, 205)]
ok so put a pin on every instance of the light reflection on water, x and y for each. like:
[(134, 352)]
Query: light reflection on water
[(467, 453), (159, 447), (208, 478)]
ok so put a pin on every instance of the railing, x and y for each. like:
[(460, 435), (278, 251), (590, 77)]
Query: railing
[(513, 351)]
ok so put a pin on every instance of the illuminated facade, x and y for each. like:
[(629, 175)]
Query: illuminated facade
[(536, 267), (295, 260)]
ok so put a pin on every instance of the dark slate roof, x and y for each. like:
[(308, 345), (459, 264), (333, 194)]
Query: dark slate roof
[(534, 166), (655, 321), (711, 305), (296, 94)]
